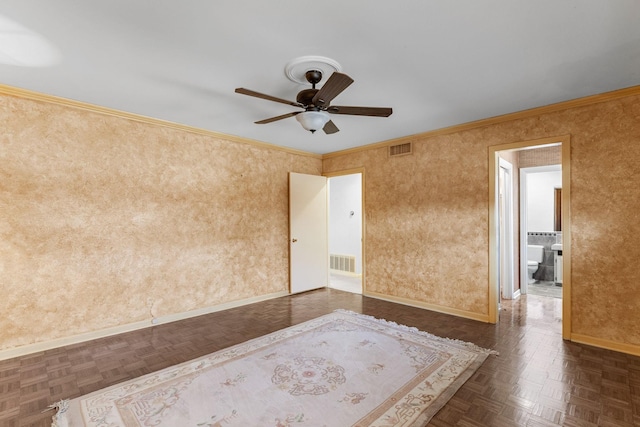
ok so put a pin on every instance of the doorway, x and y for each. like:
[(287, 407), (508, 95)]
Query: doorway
[(345, 231), (497, 228), (539, 212)]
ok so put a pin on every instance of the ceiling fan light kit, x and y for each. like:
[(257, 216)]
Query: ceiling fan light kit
[(316, 102), (313, 120)]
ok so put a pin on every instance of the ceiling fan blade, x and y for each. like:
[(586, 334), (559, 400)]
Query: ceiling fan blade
[(273, 119), (267, 97), (333, 87), (330, 128), (361, 111)]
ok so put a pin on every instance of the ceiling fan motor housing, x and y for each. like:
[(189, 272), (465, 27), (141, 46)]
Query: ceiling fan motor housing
[(305, 96)]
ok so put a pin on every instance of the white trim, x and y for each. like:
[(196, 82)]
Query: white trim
[(507, 292), (428, 306), (622, 347), (88, 336)]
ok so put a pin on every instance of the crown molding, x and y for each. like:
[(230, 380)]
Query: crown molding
[(37, 96), (518, 115)]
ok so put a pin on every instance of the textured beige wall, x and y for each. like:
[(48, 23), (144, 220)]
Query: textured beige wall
[(427, 215), (426, 221), (104, 220), (100, 215)]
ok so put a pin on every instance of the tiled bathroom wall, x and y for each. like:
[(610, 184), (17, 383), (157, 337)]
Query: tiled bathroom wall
[(540, 157)]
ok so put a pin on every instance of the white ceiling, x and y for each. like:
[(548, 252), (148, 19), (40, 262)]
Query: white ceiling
[(436, 63)]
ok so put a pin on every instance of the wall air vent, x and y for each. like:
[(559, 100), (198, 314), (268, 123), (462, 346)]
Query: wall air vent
[(400, 149), (342, 263)]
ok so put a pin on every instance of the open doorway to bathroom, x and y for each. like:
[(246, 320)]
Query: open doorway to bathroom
[(541, 231), (529, 218), (345, 231)]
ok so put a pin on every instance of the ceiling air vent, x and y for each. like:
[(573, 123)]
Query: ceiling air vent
[(400, 149)]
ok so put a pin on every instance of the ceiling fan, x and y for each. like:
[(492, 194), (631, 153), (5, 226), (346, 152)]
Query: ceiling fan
[(317, 103)]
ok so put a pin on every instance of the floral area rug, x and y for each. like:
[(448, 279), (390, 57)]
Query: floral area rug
[(342, 369)]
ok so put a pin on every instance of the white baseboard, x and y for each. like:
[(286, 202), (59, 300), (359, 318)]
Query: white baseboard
[(632, 349), (88, 336), (433, 307)]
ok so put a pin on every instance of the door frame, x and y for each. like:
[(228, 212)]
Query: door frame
[(493, 150), (505, 226), (362, 209)]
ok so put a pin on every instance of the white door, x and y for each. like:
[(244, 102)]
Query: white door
[(308, 233)]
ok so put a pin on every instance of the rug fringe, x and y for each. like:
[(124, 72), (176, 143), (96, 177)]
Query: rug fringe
[(469, 345), (60, 407)]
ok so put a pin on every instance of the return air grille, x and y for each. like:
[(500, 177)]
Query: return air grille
[(400, 149), (342, 263)]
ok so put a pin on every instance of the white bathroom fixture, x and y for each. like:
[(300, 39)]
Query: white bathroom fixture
[(557, 263), (535, 255)]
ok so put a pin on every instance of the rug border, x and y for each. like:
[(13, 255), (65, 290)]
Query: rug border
[(453, 341)]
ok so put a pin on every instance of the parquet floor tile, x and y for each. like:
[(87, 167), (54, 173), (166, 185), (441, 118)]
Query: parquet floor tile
[(538, 380)]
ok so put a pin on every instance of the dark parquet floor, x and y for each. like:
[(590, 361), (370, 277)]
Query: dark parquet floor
[(538, 379)]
